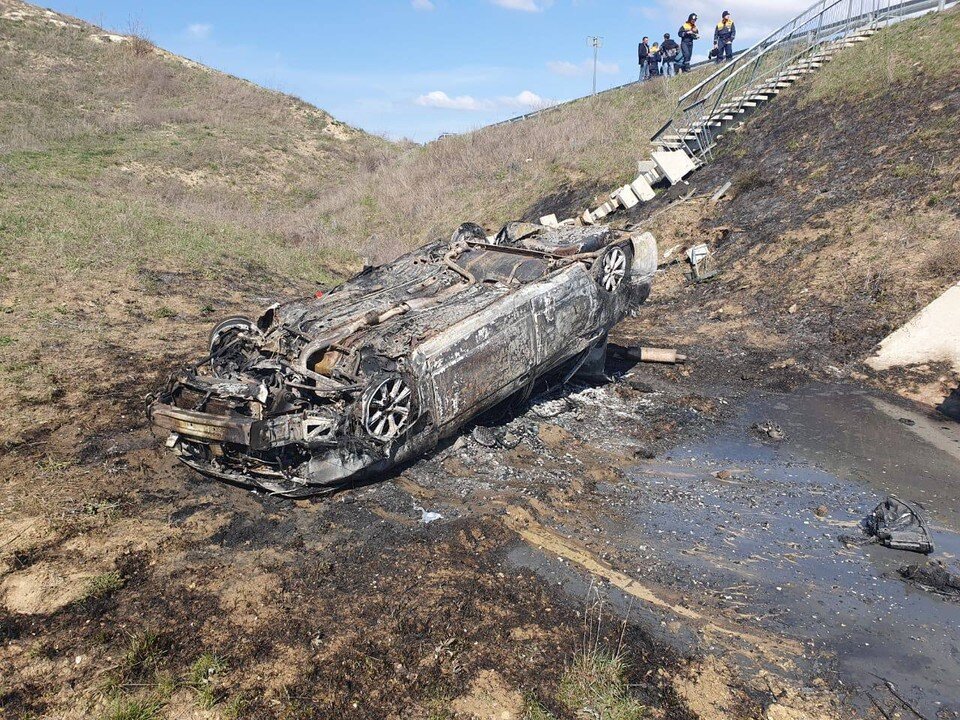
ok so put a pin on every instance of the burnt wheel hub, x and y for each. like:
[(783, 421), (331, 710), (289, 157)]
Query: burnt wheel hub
[(613, 269), (388, 409)]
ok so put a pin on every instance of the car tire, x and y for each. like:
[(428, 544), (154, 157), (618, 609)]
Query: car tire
[(227, 327), (612, 269)]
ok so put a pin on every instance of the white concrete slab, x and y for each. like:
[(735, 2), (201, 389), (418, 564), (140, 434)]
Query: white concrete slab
[(641, 188), (587, 218), (675, 165), (549, 220), (931, 335), (627, 197)]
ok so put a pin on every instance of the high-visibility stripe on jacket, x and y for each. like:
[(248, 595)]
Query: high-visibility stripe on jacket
[(726, 31)]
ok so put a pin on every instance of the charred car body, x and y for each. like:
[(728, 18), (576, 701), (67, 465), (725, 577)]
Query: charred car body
[(318, 393)]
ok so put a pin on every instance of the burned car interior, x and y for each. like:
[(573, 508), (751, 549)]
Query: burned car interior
[(321, 392)]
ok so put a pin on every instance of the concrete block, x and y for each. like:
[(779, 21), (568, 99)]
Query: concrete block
[(549, 220), (933, 335), (627, 197), (645, 166), (641, 188), (675, 165), (587, 218), (600, 213)]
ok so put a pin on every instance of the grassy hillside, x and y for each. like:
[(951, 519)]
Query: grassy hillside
[(499, 173)]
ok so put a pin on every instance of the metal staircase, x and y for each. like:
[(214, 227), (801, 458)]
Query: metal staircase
[(727, 97)]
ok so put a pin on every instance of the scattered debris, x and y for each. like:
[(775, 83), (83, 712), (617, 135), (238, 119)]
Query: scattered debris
[(702, 266), (426, 516), (770, 429), (933, 576), (484, 436), (821, 511), (648, 354), (894, 524), (721, 191)]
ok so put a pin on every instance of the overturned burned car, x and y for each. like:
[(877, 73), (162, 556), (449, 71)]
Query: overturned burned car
[(319, 393)]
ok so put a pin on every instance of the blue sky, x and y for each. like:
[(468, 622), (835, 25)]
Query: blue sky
[(419, 68)]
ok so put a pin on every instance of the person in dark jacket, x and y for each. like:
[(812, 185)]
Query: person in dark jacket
[(670, 54), (643, 55), (723, 37), (654, 60), (688, 33)]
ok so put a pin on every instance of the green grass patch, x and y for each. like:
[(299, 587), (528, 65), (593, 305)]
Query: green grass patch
[(594, 685), (103, 584), (202, 677), (127, 708)]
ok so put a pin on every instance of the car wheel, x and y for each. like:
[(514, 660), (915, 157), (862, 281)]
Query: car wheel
[(612, 269), (388, 408), (227, 329)]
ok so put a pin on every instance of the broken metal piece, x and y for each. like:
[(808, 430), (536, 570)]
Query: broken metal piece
[(702, 266), (318, 393), (721, 191), (896, 524), (899, 525)]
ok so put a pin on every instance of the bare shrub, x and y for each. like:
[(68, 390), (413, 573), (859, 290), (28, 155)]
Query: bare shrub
[(139, 43)]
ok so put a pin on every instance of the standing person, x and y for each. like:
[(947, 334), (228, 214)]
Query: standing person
[(723, 37), (643, 54), (669, 51), (654, 60), (688, 33)]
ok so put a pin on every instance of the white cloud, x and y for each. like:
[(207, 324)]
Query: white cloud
[(522, 101), (199, 31), (524, 5), (569, 69), (440, 99), (422, 5), (526, 99)]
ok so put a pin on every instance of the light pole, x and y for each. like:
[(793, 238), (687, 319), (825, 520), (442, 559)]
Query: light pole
[(596, 43)]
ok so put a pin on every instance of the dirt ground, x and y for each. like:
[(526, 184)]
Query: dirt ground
[(123, 570)]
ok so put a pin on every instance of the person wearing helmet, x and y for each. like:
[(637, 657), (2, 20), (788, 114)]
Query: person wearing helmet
[(670, 52), (723, 37), (688, 33)]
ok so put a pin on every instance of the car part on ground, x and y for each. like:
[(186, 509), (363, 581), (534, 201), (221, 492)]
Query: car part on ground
[(319, 393), (934, 577), (895, 524)]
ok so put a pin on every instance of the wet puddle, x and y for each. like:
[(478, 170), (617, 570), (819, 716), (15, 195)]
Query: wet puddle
[(751, 525)]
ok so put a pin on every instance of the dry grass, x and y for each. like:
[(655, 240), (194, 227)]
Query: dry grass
[(493, 175), (927, 47), (595, 683)]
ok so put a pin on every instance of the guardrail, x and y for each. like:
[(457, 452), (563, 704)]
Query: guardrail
[(557, 106)]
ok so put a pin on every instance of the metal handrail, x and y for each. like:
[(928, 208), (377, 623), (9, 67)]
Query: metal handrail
[(749, 50), (822, 22)]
